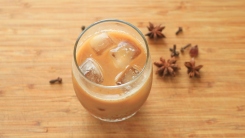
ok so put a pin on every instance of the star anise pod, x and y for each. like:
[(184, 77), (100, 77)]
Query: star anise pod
[(193, 70), (168, 67), (155, 32)]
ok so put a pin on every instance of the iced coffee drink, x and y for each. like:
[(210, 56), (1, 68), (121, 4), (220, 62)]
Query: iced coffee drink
[(112, 70)]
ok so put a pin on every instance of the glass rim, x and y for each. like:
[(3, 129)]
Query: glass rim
[(116, 21)]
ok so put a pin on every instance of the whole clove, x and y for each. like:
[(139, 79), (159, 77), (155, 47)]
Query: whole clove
[(179, 30), (58, 80), (83, 27), (183, 48), (174, 53)]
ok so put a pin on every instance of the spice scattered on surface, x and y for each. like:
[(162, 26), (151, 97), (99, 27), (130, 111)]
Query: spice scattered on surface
[(58, 80), (183, 48), (179, 31), (174, 53), (168, 67), (193, 70), (83, 27), (194, 51), (155, 32)]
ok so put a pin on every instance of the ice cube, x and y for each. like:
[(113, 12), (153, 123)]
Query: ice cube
[(124, 53), (101, 42), (92, 70), (127, 75)]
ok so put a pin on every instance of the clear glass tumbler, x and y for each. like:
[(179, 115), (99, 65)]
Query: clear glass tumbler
[(112, 103)]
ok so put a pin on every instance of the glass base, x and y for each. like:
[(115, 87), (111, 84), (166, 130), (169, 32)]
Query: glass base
[(114, 120)]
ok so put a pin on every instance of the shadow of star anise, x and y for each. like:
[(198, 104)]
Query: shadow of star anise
[(193, 70), (155, 32), (168, 67)]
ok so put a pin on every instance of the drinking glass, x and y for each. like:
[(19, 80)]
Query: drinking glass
[(118, 102)]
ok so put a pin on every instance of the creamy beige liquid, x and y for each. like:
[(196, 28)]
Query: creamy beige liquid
[(121, 107), (110, 70)]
